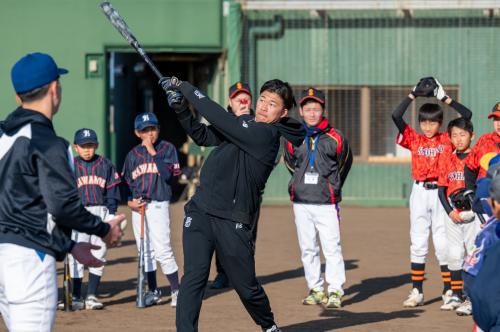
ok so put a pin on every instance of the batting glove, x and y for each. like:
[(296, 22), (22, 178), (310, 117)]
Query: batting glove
[(167, 83), (176, 100), (439, 92)]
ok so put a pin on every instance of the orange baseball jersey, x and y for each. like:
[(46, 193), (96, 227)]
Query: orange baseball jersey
[(451, 172), (487, 147), (425, 152)]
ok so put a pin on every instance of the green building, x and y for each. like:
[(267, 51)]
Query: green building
[(367, 55)]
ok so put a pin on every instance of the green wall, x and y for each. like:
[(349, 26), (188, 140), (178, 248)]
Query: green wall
[(381, 48), (71, 29)]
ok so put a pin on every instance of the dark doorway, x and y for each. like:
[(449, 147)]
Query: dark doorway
[(133, 89)]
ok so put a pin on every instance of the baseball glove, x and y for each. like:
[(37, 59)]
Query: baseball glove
[(459, 199), (425, 88)]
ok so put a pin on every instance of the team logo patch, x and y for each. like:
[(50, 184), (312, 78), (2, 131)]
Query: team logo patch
[(86, 133), (199, 94), (145, 118), (244, 124), (188, 221), (239, 225)]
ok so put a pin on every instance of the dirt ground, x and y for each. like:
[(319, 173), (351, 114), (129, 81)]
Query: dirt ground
[(375, 245)]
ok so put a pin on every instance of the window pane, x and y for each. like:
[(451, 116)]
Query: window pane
[(382, 129)]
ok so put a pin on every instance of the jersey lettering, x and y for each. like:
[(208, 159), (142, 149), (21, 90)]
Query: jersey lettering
[(91, 180), (146, 168)]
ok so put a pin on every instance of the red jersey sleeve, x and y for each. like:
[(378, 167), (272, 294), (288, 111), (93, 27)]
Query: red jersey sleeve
[(408, 136)]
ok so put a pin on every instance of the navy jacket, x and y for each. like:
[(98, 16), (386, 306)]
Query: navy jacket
[(149, 177), (36, 179), (97, 182)]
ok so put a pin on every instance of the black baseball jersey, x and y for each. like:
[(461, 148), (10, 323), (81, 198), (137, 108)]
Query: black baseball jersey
[(149, 177), (97, 182)]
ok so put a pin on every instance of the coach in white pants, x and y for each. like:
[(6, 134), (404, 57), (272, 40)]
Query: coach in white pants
[(39, 204), (319, 168)]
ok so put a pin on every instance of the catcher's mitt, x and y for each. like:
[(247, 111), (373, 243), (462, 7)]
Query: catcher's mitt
[(426, 87), (459, 199)]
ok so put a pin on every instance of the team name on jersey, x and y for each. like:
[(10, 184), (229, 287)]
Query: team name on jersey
[(430, 152), (456, 176), (91, 180), (142, 169)]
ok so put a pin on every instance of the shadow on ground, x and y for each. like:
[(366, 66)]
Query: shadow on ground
[(338, 319), (279, 276)]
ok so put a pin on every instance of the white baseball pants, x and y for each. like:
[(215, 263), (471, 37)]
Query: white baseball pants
[(28, 289), (323, 220), (157, 246), (460, 239), (76, 268), (426, 214)]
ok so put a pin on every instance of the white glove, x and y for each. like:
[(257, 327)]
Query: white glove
[(439, 92), (467, 216)]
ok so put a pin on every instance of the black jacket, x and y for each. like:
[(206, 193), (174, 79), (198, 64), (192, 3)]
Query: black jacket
[(36, 179), (234, 175), (332, 163)]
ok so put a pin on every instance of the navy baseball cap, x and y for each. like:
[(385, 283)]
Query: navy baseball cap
[(312, 93), (239, 87), (145, 120), (33, 71), (85, 136)]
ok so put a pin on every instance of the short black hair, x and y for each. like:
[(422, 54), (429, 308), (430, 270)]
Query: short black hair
[(35, 94), (430, 112), (461, 123), (282, 89)]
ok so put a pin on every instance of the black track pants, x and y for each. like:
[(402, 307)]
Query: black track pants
[(234, 245)]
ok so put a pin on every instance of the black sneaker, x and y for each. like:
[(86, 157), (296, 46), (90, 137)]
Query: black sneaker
[(220, 282)]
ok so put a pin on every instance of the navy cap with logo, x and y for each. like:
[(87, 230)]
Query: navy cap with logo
[(85, 136), (33, 71), (239, 87), (145, 120), (314, 94)]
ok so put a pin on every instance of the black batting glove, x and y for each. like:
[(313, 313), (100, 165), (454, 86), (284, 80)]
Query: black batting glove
[(176, 100), (167, 83)]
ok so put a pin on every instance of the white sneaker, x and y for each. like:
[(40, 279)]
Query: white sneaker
[(91, 303), (447, 296), (414, 299), (173, 302), (77, 304), (465, 309), (453, 303)]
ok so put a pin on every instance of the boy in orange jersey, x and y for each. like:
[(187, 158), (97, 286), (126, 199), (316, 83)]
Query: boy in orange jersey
[(487, 147), (461, 226), (426, 212)]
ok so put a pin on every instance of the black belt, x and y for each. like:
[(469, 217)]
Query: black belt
[(428, 185)]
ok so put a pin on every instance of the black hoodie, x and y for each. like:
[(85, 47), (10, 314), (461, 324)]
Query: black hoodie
[(235, 173), (36, 180)]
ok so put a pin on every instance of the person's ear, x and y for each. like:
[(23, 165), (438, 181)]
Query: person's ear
[(18, 100), (472, 136), (284, 113), (137, 133)]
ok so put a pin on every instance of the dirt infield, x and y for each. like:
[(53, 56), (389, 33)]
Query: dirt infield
[(375, 244)]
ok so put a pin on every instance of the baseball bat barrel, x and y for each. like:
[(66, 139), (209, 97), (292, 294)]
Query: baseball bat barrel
[(469, 194), (119, 23)]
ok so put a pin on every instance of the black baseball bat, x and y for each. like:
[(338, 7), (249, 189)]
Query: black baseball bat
[(119, 23), (469, 194), (67, 296)]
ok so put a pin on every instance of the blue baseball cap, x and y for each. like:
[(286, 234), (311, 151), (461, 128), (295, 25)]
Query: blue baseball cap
[(33, 71), (145, 120), (85, 136)]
